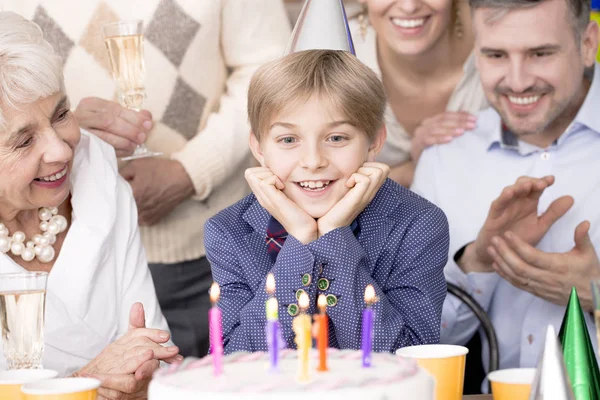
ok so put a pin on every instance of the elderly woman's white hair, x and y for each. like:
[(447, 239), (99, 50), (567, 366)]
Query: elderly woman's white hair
[(29, 67)]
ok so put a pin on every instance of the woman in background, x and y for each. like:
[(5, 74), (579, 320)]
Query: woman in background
[(421, 49)]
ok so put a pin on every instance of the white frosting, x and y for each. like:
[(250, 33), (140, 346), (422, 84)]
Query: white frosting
[(246, 375)]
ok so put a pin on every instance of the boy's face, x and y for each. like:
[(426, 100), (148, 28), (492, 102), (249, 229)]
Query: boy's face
[(313, 150)]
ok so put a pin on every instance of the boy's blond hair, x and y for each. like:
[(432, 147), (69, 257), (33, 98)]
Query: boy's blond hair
[(336, 74)]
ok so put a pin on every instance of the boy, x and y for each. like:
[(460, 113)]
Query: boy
[(323, 217)]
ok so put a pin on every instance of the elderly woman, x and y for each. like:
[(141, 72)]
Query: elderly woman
[(96, 263)]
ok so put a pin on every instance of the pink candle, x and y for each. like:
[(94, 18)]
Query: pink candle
[(215, 323)]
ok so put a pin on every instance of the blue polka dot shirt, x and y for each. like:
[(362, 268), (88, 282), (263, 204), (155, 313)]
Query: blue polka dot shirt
[(400, 247)]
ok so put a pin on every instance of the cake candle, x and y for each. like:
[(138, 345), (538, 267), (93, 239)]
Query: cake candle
[(322, 339), (273, 333), (302, 328), (367, 326), (215, 322)]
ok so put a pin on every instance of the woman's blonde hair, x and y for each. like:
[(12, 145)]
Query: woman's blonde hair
[(295, 78), (29, 67)]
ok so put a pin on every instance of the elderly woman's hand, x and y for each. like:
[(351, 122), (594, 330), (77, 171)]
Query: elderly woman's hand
[(125, 367), (121, 128), (121, 387)]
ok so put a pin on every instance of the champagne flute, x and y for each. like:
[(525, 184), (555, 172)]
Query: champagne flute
[(22, 305), (125, 43)]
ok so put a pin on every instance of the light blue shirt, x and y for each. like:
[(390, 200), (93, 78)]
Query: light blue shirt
[(465, 176)]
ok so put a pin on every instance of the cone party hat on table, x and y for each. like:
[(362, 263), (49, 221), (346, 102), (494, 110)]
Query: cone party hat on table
[(578, 352), (322, 24), (551, 379)]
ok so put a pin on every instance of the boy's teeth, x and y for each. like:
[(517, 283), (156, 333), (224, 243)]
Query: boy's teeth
[(408, 23), (523, 100), (314, 184)]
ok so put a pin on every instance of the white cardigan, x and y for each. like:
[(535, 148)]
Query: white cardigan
[(200, 56), (101, 269)]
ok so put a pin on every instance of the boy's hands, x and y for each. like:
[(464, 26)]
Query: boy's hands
[(267, 188), (364, 185)]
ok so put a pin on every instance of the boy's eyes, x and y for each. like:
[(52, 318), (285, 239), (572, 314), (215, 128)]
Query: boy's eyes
[(287, 140), (332, 138), (337, 138)]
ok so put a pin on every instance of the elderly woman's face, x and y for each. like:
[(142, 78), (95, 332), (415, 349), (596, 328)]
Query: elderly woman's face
[(36, 153)]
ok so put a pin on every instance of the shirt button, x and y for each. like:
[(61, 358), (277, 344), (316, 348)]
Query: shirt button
[(332, 300), (323, 284), (299, 293), (293, 310), (530, 338), (321, 268), (306, 279), (545, 156)]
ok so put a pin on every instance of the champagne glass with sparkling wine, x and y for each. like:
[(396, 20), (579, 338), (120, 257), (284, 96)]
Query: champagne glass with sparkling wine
[(125, 43), (22, 306)]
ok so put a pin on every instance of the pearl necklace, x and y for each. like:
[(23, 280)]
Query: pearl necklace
[(40, 245)]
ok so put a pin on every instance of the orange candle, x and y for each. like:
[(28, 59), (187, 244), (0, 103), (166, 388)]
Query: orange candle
[(322, 339)]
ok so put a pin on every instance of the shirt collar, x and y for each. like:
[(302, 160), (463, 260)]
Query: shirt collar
[(275, 228)]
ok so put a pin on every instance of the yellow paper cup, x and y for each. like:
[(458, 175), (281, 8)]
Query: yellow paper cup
[(61, 389), (446, 363), (12, 380), (511, 384)]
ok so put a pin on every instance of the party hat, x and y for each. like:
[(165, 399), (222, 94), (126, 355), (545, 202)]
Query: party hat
[(579, 355), (322, 24), (551, 380)]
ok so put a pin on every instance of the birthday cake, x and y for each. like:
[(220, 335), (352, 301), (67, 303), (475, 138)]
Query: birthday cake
[(247, 376)]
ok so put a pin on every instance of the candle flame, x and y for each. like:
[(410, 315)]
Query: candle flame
[(322, 302), (270, 284), (303, 301), (215, 292), (370, 294)]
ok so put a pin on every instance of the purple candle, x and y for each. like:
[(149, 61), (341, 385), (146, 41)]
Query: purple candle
[(367, 327), (273, 334), (273, 329)]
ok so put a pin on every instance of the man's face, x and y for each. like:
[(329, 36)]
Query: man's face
[(532, 65)]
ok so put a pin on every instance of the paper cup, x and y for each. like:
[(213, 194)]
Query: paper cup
[(446, 363), (511, 384), (12, 380), (61, 389)]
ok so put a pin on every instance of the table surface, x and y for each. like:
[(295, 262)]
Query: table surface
[(478, 397)]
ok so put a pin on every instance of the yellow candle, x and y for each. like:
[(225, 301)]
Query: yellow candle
[(302, 326)]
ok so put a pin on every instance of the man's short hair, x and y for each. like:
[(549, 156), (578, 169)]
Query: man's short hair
[(580, 10), (335, 74)]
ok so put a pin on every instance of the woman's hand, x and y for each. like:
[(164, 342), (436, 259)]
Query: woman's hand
[(441, 128), (125, 367)]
